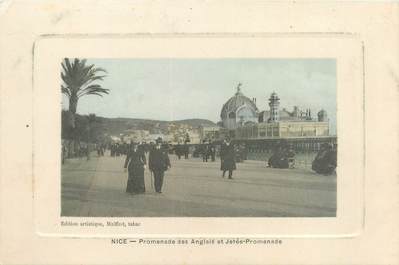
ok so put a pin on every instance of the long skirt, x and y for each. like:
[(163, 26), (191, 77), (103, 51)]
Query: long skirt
[(135, 181), (228, 164)]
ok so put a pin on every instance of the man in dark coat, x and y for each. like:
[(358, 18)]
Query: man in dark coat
[(117, 149), (112, 148), (212, 151), (178, 150), (227, 158), (135, 163), (158, 162), (186, 150), (205, 152)]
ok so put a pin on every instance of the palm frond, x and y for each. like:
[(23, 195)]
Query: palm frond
[(94, 93), (94, 78), (93, 90), (78, 77), (99, 69), (65, 91), (68, 65)]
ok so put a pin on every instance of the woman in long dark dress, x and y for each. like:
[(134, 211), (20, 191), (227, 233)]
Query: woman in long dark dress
[(135, 163), (227, 156)]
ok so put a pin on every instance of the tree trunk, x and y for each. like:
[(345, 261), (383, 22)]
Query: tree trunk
[(73, 104)]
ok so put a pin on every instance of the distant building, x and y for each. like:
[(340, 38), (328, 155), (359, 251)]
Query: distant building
[(283, 129), (115, 138), (238, 111), (209, 133), (194, 137), (133, 135), (241, 117), (181, 133), (153, 137)]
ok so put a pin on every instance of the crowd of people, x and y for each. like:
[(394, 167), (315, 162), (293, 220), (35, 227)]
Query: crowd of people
[(230, 153), (101, 147), (324, 163), (209, 151), (182, 150), (81, 150), (118, 149), (159, 162)]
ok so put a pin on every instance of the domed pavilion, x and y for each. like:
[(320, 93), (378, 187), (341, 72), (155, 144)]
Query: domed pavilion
[(238, 110)]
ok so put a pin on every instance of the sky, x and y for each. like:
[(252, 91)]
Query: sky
[(175, 89)]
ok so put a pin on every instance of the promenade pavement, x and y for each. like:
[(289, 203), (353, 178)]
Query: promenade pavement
[(196, 189)]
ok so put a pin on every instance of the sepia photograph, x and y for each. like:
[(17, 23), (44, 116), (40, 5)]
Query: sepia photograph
[(185, 137)]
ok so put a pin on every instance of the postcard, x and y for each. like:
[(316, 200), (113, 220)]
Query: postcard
[(202, 146)]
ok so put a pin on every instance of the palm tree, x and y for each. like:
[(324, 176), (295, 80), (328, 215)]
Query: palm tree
[(78, 81)]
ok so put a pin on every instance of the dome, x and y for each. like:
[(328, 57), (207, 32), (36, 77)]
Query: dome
[(235, 102)]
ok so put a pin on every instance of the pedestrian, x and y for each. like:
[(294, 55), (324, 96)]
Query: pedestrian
[(213, 152), (205, 152), (63, 153), (282, 157), (290, 152), (178, 150), (158, 162), (102, 149), (244, 152), (186, 150), (117, 149), (325, 161), (197, 151), (238, 154), (135, 164), (125, 148), (97, 146), (87, 151), (227, 158), (112, 149)]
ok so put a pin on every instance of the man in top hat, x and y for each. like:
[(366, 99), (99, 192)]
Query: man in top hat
[(178, 150), (205, 151), (158, 162)]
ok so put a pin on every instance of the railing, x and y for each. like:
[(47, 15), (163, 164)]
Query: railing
[(302, 159)]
